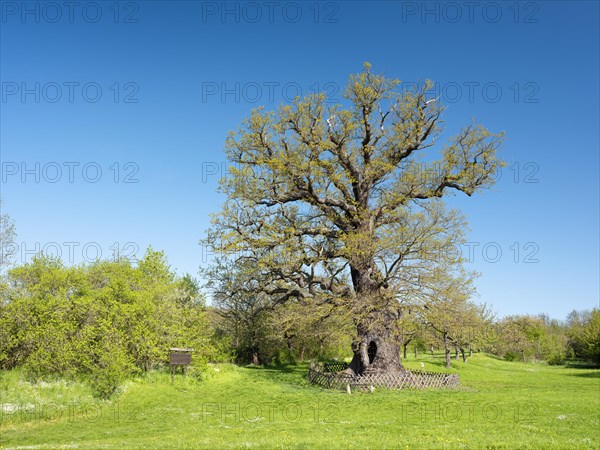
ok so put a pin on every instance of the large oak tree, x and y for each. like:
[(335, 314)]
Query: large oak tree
[(341, 204)]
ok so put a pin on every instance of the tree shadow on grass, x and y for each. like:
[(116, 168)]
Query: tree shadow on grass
[(280, 368), (595, 374), (498, 358), (581, 365), (438, 360), (282, 372)]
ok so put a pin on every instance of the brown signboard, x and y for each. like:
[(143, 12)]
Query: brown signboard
[(181, 359)]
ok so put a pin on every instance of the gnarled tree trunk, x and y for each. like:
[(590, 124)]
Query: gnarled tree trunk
[(378, 346)]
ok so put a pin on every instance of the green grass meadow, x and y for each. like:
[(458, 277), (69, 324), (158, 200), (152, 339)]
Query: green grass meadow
[(500, 405)]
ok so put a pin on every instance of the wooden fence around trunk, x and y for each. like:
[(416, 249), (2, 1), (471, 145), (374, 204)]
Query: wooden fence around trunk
[(328, 375)]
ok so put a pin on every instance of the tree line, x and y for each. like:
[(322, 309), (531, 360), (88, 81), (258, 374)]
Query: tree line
[(110, 320), (260, 330)]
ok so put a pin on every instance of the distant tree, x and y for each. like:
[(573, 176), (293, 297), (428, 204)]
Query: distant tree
[(477, 330), (450, 314), (576, 321), (7, 239), (420, 343), (335, 204), (584, 334), (554, 341), (189, 290), (261, 330), (243, 308), (311, 329), (521, 337), (411, 330)]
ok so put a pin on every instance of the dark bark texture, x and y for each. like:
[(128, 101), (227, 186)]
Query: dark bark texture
[(377, 349)]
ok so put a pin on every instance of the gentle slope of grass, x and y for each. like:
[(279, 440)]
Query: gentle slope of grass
[(501, 405)]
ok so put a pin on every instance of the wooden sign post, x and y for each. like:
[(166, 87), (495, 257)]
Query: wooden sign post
[(180, 357)]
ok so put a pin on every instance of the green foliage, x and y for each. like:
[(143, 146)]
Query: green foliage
[(584, 335), (591, 337), (554, 346), (105, 321), (112, 366), (342, 205), (526, 338), (259, 331)]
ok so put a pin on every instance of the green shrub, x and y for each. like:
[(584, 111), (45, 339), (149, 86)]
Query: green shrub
[(104, 321), (513, 356), (556, 358)]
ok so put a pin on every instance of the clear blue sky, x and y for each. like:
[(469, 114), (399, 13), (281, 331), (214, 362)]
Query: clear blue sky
[(147, 91)]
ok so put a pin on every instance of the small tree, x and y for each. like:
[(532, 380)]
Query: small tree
[(475, 330), (411, 330), (244, 308), (521, 337), (7, 239), (449, 313)]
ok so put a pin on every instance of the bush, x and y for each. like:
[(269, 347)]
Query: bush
[(556, 358), (111, 370), (513, 356), (105, 321)]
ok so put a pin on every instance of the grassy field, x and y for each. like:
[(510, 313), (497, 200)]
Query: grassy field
[(501, 405)]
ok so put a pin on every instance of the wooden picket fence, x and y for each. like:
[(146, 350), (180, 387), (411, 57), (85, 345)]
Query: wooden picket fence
[(336, 366), (328, 376)]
